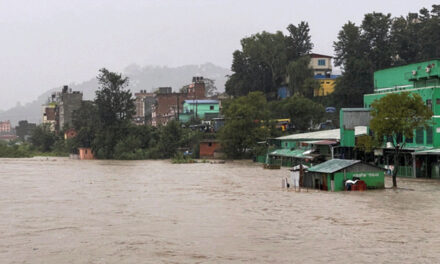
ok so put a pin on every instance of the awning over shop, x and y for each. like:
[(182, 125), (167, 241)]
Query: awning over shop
[(427, 152), (325, 142), (297, 153)]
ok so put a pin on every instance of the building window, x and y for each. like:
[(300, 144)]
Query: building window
[(419, 135), (211, 107), (429, 132), (210, 144), (437, 101), (321, 62), (429, 103), (409, 140)]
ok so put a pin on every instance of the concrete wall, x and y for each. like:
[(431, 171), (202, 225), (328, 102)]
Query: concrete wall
[(69, 103)]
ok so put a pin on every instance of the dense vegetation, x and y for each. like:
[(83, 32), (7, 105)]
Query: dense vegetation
[(266, 62), (105, 126)]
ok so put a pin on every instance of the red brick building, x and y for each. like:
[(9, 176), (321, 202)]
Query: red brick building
[(168, 105), (208, 148)]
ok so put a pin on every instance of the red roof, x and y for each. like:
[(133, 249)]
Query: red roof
[(316, 55)]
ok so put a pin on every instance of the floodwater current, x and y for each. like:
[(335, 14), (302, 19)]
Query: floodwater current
[(56, 210)]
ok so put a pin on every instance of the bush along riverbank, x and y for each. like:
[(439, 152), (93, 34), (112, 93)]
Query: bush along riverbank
[(24, 150)]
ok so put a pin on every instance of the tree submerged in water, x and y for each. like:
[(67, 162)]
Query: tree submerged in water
[(396, 116)]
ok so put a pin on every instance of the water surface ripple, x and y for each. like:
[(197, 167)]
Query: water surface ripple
[(56, 210)]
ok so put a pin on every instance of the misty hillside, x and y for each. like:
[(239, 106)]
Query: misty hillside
[(145, 78)]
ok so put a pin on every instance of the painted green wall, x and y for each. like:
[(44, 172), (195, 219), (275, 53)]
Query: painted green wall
[(288, 144), (426, 84), (202, 109), (374, 180), (403, 76)]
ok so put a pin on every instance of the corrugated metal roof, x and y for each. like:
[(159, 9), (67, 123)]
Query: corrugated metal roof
[(297, 153), (201, 101), (332, 134), (333, 165), (428, 152)]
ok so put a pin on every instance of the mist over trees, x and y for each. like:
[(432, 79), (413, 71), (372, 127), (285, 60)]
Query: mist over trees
[(141, 77)]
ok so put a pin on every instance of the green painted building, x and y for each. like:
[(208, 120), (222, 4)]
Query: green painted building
[(199, 109), (422, 152), (331, 175)]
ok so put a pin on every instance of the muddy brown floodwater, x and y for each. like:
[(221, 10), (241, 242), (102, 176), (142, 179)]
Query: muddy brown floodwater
[(58, 210)]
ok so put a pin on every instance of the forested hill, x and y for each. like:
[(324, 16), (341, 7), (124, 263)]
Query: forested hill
[(145, 78)]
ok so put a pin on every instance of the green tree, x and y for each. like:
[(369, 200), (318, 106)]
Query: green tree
[(396, 115), (86, 122), (24, 129), (301, 79), (375, 39), (42, 138), (405, 39), (243, 127), (115, 108), (357, 70), (261, 65), (171, 136), (429, 35), (299, 41), (303, 112)]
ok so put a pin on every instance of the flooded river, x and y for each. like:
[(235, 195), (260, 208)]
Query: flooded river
[(58, 210)]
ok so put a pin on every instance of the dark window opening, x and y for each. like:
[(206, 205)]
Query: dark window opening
[(211, 107), (399, 138), (429, 103), (419, 135), (429, 132)]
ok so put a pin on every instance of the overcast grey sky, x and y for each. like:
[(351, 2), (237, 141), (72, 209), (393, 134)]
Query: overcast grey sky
[(48, 43)]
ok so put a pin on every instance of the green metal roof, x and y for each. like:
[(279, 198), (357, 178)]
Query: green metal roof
[(297, 153), (333, 165)]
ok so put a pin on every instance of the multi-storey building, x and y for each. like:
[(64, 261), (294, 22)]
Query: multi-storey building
[(322, 67), (144, 102), (199, 109), (70, 101), (422, 152), (168, 105), (5, 127), (58, 111)]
